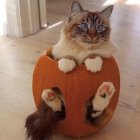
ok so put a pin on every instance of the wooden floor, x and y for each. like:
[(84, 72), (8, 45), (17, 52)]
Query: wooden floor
[(18, 57)]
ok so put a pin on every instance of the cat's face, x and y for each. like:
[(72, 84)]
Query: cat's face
[(88, 29)]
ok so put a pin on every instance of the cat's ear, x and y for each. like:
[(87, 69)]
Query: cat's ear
[(76, 7), (107, 11)]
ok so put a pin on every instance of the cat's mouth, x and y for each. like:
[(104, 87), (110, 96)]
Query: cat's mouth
[(91, 44), (94, 43), (88, 45)]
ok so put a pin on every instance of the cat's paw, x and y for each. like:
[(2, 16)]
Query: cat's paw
[(103, 96), (51, 99), (96, 114), (48, 95), (106, 90), (66, 65), (94, 64)]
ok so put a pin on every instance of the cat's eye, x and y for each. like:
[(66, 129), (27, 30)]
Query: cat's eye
[(84, 26), (100, 28)]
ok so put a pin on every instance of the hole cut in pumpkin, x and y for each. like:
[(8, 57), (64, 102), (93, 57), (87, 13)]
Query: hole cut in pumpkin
[(53, 98), (62, 113), (97, 105), (96, 117)]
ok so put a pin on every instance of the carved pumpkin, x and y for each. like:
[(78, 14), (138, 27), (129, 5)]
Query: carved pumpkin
[(77, 87)]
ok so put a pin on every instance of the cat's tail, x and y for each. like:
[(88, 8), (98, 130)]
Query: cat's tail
[(41, 125)]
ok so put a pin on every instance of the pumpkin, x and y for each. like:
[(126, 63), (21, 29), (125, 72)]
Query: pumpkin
[(77, 87)]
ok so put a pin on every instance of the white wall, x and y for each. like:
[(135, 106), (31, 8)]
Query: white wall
[(3, 20), (22, 17)]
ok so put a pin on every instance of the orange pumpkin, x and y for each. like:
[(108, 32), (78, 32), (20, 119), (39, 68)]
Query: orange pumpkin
[(77, 87)]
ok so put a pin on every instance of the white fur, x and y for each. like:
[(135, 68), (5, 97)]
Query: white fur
[(94, 64), (66, 65), (69, 48), (54, 103), (94, 115), (100, 103), (45, 93)]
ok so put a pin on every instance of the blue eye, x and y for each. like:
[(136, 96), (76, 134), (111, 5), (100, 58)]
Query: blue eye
[(100, 28), (84, 26)]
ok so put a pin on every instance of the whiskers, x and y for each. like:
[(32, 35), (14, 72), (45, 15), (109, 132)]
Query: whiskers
[(87, 42), (104, 39)]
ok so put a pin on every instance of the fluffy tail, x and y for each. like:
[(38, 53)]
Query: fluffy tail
[(41, 125)]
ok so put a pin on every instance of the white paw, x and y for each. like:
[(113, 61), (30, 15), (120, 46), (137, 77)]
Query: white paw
[(51, 99), (103, 96), (96, 114), (106, 90), (94, 64), (66, 65), (48, 94)]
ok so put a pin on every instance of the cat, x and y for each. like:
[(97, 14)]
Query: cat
[(84, 39)]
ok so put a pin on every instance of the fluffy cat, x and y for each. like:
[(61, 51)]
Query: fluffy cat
[(84, 39)]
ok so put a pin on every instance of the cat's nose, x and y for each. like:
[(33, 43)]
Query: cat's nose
[(92, 34)]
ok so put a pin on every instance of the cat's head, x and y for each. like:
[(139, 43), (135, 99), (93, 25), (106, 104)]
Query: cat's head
[(86, 28)]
